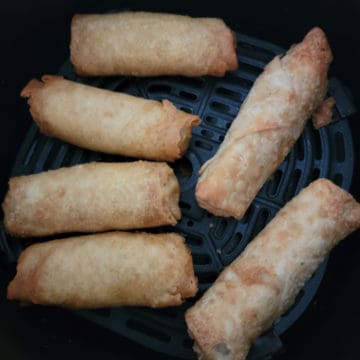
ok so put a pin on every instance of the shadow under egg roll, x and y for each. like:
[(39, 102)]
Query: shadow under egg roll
[(151, 44), (269, 122), (109, 121), (262, 283), (106, 270), (92, 197)]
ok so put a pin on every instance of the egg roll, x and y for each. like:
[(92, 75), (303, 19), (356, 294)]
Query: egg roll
[(269, 122), (92, 197), (108, 121), (103, 270), (151, 44), (262, 283)]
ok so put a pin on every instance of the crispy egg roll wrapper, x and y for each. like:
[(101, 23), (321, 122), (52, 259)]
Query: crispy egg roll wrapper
[(151, 44), (262, 283), (109, 269), (92, 197), (269, 122), (108, 121)]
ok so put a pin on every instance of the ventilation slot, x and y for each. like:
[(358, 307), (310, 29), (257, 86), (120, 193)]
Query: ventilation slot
[(201, 259), (232, 244), (221, 107), (193, 240), (228, 93), (260, 222), (203, 145), (188, 96), (186, 109), (274, 183), (339, 147), (159, 89), (183, 168), (220, 228), (316, 145), (207, 133), (292, 185), (299, 149)]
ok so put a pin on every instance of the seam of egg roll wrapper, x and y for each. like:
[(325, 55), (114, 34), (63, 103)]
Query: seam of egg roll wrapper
[(92, 197), (151, 44), (103, 270), (262, 283), (108, 121), (269, 122)]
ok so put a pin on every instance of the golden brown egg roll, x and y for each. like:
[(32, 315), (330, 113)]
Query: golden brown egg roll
[(92, 197), (108, 121), (151, 44), (269, 122), (262, 283), (102, 270)]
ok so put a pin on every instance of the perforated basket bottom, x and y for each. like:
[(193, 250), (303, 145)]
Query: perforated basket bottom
[(214, 241)]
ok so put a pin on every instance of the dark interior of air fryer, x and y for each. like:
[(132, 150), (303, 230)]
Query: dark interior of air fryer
[(133, 333)]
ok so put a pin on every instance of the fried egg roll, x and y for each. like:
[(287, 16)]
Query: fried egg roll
[(108, 121), (151, 44), (103, 270), (92, 197), (269, 122), (262, 283)]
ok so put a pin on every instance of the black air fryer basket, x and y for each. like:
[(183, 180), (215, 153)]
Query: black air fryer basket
[(214, 241)]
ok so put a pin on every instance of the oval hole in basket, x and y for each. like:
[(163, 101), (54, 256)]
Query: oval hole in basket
[(219, 106), (183, 168), (300, 150), (187, 95), (211, 120), (316, 145), (201, 259), (260, 222), (339, 147), (193, 240), (232, 244), (203, 145), (226, 92), (220, 228), (207, 133), (274, 183), (159, 88), (292, 184)]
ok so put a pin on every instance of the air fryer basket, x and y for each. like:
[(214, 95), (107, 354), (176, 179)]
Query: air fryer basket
[(214, 241)]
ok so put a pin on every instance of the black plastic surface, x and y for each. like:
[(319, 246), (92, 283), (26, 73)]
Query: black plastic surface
[(214, 241)]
